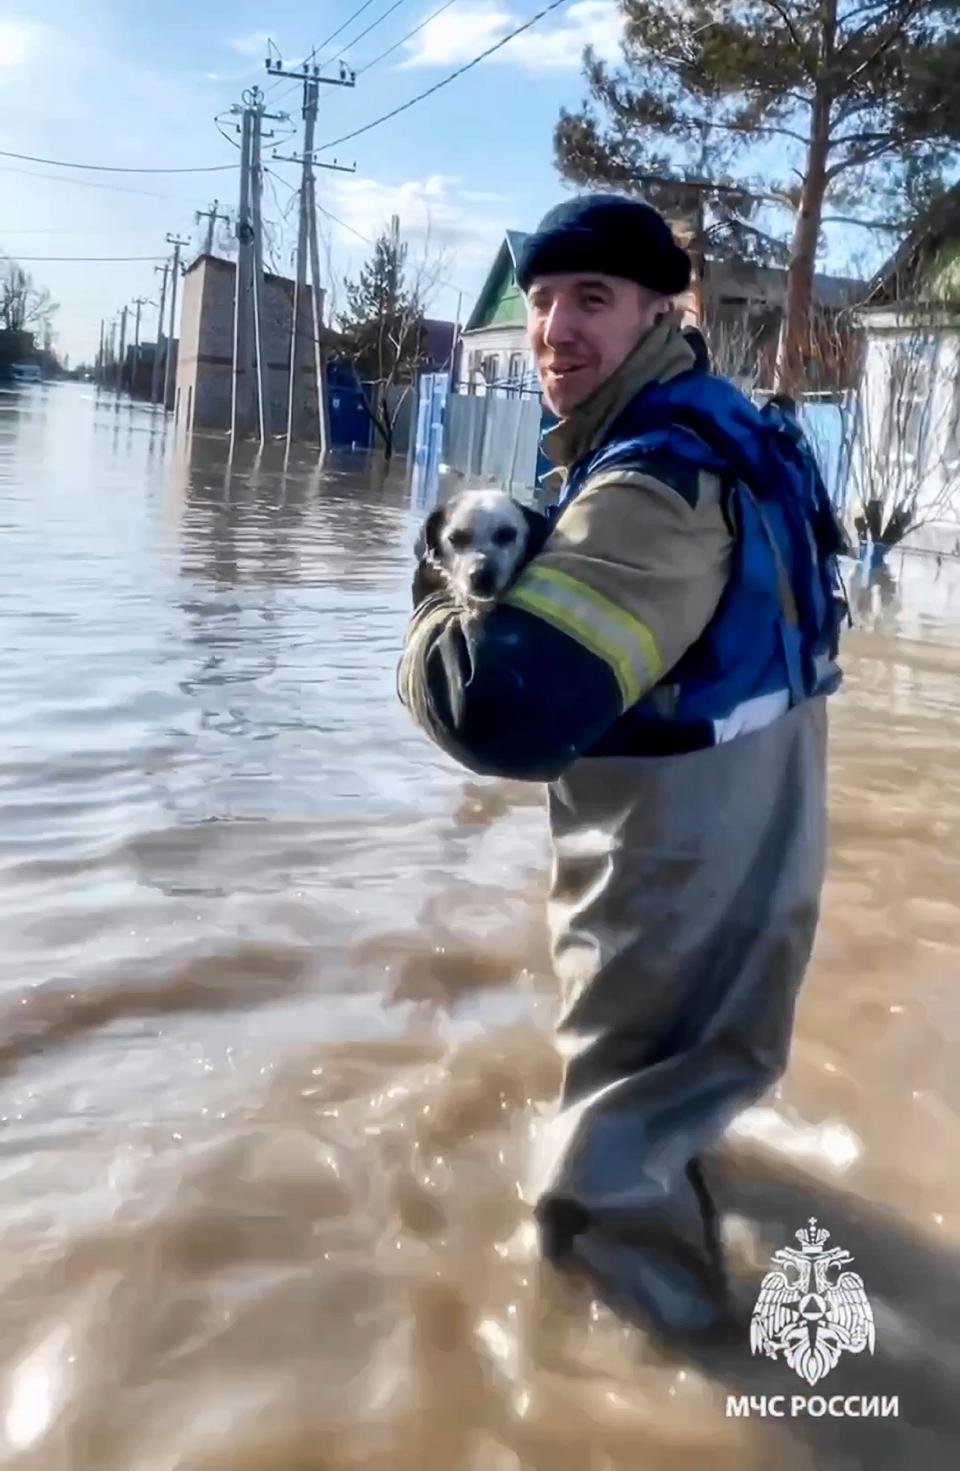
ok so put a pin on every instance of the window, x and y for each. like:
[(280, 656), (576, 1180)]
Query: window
[(515, 373), (491, 369), (911, 390)]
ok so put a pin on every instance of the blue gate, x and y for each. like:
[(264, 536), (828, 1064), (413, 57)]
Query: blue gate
[(425, 480), (350, 426)]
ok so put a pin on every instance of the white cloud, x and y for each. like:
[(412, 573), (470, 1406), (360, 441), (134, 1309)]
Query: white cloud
[(460, 34), (18, 41), (448, 229), (254, 43), (436, 215)]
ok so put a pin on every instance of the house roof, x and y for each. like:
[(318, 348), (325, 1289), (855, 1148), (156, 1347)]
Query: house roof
[(505, 256), (438, 337), (897, 278)]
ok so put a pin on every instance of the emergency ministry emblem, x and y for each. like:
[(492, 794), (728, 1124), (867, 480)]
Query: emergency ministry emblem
[(809, 1314)]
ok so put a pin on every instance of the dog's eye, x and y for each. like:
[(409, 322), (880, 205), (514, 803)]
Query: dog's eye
[(504, 536), (459, 540)]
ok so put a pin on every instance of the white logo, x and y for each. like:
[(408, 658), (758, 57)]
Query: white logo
[(811, 1324)]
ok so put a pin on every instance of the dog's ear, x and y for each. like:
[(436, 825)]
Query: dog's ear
[(431, 532), (538, 529)]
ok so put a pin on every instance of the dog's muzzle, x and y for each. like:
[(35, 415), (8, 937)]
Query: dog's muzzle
[(483, 580)]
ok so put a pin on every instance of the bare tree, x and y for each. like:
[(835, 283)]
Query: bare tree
[(24, 307), (382, 326), (734, 341), (900, 437)]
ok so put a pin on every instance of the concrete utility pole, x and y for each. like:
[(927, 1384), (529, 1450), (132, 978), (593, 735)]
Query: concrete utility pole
[(123, 341), (138, 302), (177, 244), (99, 375), (256, 192), (211, 215), (307, 242), (164, 270), (248, 399)]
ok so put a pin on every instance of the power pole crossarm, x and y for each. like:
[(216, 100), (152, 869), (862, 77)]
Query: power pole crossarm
[(212, 215), (335, 168)]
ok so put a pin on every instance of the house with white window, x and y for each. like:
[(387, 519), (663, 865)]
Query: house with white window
[(905, 428), (494, 354)]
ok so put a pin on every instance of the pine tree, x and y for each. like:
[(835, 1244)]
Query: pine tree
[(789, 103), (383, 328)]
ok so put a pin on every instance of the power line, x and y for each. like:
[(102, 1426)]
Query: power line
[(408, 37), (92, 184), (109, 168), (322, 45), (87, 258), (382, 56), (371, 27), (55, 230), (421, 96)]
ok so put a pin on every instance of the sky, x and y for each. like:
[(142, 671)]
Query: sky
[(132, 84)]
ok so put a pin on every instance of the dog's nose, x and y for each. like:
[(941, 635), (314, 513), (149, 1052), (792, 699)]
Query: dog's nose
[(483, 579)]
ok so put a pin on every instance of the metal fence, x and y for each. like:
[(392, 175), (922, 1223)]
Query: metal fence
[(493, 438)]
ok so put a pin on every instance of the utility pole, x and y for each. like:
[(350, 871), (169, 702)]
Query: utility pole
[(111, 354), (248, 397), (99, 375), (123, 340), (155, 380), (211, 215), (177, 244), (256, 191), (307, 242), (138, 302)]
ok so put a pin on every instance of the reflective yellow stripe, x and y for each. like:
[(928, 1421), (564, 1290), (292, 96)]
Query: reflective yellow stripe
[(616, 637)]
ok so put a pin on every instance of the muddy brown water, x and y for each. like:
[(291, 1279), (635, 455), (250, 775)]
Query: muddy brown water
[(275, 1008)]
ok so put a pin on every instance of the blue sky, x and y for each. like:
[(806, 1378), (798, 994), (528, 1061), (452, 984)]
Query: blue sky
[(113, 81)]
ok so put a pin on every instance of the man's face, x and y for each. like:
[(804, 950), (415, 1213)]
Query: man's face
[(581, 328)]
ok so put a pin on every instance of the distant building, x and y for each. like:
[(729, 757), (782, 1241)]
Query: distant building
[(494, 352), (437, 345), (205, 369), (16, 349), (908, 430)]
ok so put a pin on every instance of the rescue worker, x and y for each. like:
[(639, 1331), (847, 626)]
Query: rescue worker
[(663, 664)]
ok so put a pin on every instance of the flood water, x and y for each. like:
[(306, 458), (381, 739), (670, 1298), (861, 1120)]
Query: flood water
[(275, 1010)]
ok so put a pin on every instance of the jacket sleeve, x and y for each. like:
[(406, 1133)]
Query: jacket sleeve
[(628, 579)]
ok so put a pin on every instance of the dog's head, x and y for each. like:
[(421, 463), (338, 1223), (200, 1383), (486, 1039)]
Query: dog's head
[(478, 540)]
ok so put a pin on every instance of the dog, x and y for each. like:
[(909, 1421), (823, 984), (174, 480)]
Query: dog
[(475, 545)]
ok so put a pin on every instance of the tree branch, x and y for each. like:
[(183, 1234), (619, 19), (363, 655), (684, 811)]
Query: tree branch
[(707, 186), (891, 225), (893, 34), (784, 16), (858, 161)]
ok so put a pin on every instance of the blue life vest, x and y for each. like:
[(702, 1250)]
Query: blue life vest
[(773, 639)]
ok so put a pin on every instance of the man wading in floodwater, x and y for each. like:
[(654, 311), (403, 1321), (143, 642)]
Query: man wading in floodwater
[(663, 663)]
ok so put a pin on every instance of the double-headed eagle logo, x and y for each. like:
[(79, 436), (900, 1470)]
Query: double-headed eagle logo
[(811, 1322)]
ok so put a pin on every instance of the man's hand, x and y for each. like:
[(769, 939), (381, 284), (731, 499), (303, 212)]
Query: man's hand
[(427, 580)]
